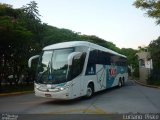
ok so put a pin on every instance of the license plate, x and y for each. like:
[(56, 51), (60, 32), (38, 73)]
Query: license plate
[(48, 95)]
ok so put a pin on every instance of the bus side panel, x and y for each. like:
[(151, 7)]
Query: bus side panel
[(104, 76), (114, 74), (97, 74), (76, 87), (100, 82), (110, 76)]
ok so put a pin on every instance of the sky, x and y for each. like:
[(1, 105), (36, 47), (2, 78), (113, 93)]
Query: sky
[(117, 21)]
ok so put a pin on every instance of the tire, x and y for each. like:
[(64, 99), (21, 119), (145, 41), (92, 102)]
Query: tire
[(123, 82), (120, 83), (90, 91)]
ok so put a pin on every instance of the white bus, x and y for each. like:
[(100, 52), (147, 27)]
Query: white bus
[(73, 69)]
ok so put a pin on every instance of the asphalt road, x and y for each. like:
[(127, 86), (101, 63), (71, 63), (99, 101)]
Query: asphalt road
[(130, 98)]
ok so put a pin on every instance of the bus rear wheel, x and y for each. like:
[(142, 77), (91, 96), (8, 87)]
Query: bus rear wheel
[(120, 83), (90, 91), (123, 81)]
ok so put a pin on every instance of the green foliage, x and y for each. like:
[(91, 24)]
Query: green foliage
[(17, 88), (151, 6), (131, 56), (154, 48), (54, 35), (17, 42), (31, 11), (22, 35), (153, 81), (100, 41), (132, 59)]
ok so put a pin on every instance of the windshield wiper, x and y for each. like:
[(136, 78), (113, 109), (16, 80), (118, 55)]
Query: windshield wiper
[(40, 75)]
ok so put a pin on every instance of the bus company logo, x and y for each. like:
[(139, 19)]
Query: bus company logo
[(112, 71)]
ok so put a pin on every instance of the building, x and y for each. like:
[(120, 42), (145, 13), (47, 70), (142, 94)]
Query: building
[(145, 65)]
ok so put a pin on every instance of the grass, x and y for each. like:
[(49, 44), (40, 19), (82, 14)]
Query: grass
[(16, 88), (153, 81), (156, 83)]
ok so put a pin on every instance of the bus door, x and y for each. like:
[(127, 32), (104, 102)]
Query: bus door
[(76, 73)]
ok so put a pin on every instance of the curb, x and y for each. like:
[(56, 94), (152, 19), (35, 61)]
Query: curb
[(152, 86), (15, 93)]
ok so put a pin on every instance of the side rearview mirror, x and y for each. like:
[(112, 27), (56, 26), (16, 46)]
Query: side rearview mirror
[(30, 60), (72, 55)]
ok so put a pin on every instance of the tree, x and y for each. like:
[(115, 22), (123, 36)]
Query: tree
[(99, 41), (14, 39), (19, 33), (154, 48), (31, 9), (131, 59), (53, 35), (151, 6), (31, 20)]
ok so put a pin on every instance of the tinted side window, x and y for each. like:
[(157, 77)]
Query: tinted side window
[(104, 58), (92, 61), (77, 65), (97, 57), (123, 61), (93, 57), (118, 60)]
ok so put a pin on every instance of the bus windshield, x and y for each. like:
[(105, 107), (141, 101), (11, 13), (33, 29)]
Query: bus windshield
[(53, 66)]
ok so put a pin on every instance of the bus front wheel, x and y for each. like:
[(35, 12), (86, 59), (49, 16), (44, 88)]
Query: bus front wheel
[(90, 91)]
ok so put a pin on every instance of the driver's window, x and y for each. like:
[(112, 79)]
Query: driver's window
[(77, 65), (45, 61)]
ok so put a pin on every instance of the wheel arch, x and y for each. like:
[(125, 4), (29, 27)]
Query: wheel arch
[(92, 84)]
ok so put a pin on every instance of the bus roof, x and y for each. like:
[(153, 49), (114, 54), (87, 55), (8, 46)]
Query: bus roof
[(80, 43)]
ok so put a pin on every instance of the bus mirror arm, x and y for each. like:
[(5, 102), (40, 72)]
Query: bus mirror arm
[(71, 56), (30, 60)]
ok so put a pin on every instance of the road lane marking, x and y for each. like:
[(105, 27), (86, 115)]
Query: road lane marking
[(96, 110), (99, 110), (72, 111)]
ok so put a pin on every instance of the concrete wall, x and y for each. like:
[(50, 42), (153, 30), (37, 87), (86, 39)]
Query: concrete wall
[(144, 70), (144, 73)]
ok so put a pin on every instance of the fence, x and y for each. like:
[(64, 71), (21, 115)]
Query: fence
[(154, 78)]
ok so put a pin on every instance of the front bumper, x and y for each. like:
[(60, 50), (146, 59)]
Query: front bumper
[(64, 95)]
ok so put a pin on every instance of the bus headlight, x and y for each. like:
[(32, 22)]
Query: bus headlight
[(61, 88)]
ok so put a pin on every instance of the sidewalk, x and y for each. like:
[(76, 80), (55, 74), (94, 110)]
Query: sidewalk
[(153, 86)]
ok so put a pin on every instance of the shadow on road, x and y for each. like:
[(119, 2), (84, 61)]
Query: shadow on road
[(83, 99)]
